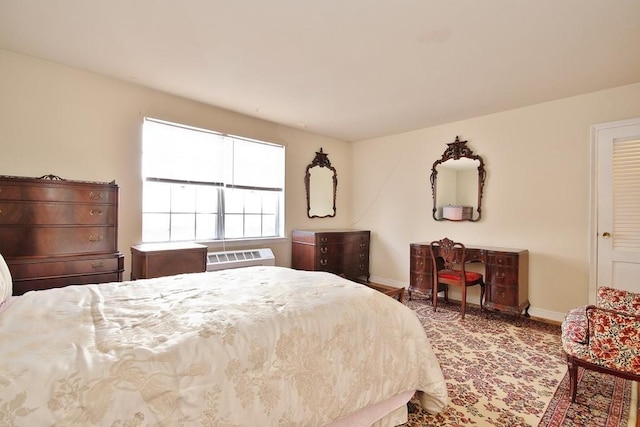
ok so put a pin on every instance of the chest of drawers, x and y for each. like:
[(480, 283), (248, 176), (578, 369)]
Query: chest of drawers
[(343, 252), (506, 275), (166, 259), (55, 232)]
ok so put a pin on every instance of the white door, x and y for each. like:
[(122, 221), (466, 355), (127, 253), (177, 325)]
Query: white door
[(617, 206)]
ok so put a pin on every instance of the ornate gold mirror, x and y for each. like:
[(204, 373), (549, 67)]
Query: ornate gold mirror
[(457, 181), (321, 183)]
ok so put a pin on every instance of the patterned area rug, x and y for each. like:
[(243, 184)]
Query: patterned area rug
[(602, 400), (501, 372)]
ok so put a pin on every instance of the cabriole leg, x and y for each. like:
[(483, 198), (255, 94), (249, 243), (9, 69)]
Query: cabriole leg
[(573, 379)]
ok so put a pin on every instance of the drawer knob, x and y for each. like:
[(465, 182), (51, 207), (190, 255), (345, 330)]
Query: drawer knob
[(93, 238), (97, 196), (97, 264), (324, 239), (96, 212), (323, 262), (324, 250)]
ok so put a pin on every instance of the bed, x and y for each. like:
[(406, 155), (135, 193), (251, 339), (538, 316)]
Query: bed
[(249, 346)]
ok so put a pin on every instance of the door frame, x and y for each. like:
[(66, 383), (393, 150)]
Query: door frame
[(593, 199)]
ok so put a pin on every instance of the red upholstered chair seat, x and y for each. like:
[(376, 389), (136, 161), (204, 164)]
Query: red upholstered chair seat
[(472, 276)]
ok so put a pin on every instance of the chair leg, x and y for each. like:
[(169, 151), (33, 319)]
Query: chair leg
[(434, 295), (482, 296), (464, 299), (573, 380)]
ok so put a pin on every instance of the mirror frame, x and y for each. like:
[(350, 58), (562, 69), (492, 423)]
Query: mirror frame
[(456, 150), (320, 160)]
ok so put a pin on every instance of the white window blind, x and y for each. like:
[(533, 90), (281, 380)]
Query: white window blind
[(626, 195), (204, 185)]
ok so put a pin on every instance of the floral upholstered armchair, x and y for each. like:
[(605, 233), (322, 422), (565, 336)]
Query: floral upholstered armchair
[(604, 338)]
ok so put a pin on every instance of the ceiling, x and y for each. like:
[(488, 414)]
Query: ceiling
[(350, 69)]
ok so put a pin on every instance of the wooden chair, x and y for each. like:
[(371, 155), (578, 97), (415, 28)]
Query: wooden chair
[(445, 256)]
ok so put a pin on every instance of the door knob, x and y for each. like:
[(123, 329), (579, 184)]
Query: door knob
[(606, 234)]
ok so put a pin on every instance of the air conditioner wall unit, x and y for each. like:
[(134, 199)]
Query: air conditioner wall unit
[(234, 259)]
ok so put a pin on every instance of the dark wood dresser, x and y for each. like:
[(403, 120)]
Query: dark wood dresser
[(55, 232), (150, 260), (506, 275), (343, 252)]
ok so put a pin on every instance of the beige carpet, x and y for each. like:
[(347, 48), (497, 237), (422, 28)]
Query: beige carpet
[(501, 373)]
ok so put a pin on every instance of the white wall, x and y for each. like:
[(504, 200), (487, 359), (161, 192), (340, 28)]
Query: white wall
[(536, 194), (82, 126)]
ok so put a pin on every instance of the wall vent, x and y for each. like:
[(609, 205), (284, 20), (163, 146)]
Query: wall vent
[(234, 259)]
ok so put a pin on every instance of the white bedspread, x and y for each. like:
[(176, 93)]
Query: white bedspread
[(256, 346)]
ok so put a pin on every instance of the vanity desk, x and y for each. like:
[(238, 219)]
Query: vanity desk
[(506, 275)]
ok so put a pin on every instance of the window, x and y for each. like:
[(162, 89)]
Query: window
[(203, 185)]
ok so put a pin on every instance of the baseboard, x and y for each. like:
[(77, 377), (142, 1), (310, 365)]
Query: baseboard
[(389, 282), (546, 315), (536, 313)]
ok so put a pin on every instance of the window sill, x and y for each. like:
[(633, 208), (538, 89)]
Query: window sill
[(217, 245)]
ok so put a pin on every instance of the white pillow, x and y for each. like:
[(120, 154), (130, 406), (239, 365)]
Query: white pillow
[(6, 285)]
